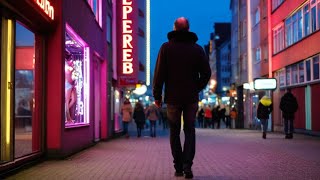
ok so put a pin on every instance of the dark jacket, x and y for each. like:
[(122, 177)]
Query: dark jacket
[(264, 108), (182, 67), (139, 116), (288, 105)]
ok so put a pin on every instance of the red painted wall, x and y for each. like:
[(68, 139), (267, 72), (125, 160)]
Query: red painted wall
[(55, 82), (315, 99), (300, 120)]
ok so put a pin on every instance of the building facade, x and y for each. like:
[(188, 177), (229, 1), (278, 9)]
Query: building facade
[(54, 72), (295, 59)]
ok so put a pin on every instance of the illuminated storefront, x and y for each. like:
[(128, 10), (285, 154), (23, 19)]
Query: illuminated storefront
[(53, 79)]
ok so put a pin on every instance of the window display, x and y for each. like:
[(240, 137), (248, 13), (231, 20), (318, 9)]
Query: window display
[(76, 80)]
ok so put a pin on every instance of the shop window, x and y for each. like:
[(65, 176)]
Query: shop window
[(288, 76), (294, 73), (76, 79), (301, 72), (282, 76), (308, 70), (315, 67)]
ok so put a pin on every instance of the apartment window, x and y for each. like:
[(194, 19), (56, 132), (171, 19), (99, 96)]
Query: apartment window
[(306, 19), (308, 70), (108, 29), (257, 17), (315, 67), (294, 69), (313, 5), (278, 39), (96, 8), (300, 24), (318, 8), (289, 32), (258, 54), (276, 3), (301, 72), (243, 28)]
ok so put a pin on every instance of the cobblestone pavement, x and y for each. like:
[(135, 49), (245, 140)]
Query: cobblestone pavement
[(220, 154)]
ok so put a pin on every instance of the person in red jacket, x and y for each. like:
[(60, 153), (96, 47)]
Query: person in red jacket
[(183, 68)]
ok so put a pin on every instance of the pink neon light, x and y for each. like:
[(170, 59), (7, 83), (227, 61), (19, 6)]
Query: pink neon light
[(269, 39)]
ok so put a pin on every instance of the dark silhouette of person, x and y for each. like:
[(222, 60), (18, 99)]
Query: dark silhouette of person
[(183, 68), (139, 117), (288, 106), (264, 109)]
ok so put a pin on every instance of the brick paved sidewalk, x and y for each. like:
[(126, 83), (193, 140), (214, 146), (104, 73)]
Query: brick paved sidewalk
[(220, 154)]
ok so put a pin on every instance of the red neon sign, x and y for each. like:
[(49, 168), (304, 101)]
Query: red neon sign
[(46, 7), (127, 52), (127, 66)]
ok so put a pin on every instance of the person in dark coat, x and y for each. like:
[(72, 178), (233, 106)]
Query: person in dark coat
[(200, 117), (288, 106), (183, 68), (139, 117), (263, 112)]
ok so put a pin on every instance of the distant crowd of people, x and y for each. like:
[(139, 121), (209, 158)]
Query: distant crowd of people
[(209, 117), (144, 117)]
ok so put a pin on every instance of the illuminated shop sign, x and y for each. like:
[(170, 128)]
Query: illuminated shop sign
[(127, 42), (46, 7), (127, 38), (265, 84)]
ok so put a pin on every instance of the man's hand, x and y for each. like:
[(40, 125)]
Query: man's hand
[(158, 103)]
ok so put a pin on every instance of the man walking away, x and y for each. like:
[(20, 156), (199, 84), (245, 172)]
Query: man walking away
[(183, 68), (288, 106)]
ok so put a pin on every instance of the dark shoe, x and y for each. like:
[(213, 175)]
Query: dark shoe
[(188, 175), (178, 173), (287, 136), (264, 135), (290, 136)]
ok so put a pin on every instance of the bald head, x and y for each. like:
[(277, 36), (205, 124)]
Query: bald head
[(181, 24)]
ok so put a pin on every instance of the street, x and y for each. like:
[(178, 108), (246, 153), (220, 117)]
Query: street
[(220, 154)]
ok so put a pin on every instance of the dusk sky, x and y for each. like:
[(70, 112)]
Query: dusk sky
[(202, 14)]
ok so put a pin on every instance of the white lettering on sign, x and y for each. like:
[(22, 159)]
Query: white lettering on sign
[(46, 7), (127, 66)]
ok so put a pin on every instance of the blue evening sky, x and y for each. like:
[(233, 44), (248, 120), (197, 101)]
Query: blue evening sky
[(202, 14)]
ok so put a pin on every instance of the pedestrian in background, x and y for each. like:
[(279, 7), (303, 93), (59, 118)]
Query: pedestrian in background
[(126, 113), (183, 68), (139, 117), (227, 116), (288, 106), (153, 115), (233, 116), (263, 112), (221, 115), (207, 116), (200, 117)]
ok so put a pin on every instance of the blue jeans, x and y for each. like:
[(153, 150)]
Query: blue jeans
[(288, 126), (264, 123), (153, 128), (182, 160), (125, 127)]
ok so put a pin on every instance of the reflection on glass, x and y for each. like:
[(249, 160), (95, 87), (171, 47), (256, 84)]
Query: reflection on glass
[(316, 68), (24, 91)]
